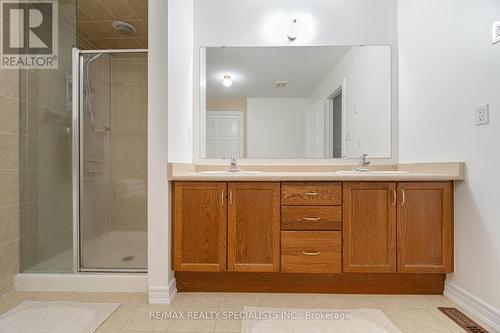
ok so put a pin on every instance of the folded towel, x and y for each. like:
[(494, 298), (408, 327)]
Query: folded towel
[(141, 194), (128, 189), (129, 182)]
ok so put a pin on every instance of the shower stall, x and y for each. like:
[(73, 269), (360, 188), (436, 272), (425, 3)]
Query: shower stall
[(110, 160), (84, 188)]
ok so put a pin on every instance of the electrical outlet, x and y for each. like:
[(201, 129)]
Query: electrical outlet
[(481, 115), (496, 32)]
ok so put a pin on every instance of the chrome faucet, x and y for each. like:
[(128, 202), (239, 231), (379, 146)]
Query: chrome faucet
[(234, 164), (363, 164)]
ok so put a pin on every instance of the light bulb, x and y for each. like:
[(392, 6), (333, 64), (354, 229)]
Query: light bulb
[(227, 82)]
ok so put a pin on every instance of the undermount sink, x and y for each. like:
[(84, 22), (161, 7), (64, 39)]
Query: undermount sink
[(225, 173), (372, 172)]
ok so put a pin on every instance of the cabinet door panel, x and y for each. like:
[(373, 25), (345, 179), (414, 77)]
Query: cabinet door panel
[(254, 227), (369, 231), (200, 226), (425, 213)]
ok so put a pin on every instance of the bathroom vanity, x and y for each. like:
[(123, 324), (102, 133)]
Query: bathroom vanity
[(378, 233), (306, 222)]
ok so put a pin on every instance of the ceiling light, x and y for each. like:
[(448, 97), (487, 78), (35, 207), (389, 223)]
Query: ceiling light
[(227, 82)]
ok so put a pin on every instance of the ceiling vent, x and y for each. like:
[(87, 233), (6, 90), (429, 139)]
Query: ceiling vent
[(123, 27), (280, 84)]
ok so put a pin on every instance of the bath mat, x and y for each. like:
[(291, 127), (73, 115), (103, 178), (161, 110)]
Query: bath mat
[(276, 320), (55, 317)]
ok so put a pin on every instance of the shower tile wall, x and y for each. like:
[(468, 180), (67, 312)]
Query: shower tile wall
[(9, 178), (129, 137)]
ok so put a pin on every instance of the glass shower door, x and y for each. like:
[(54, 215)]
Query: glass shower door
[(113, 161)]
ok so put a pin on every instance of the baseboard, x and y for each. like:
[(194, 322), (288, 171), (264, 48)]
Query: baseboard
[(489, 315), (163, 295), (81, 282)]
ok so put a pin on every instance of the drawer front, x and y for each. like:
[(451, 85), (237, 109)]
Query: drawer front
[(311, 218), (311, 251), (311, 194)]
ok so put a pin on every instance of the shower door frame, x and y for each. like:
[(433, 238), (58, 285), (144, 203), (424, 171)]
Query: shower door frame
[(77, 156)]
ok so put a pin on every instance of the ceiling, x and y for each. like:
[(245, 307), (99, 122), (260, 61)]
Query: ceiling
[(254, 70), (94, 19)]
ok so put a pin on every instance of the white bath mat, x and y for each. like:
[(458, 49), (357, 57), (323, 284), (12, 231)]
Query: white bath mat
[(55, 317), (275, 320)]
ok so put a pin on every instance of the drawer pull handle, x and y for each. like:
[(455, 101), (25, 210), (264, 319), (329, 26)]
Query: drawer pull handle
[(312, 253), (312, 194), (311, 219)]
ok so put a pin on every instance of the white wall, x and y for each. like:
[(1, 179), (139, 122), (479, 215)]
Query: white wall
[(160, 278), (334, 22), (180, 71), (275, 127), (447, 66), (366, 98)]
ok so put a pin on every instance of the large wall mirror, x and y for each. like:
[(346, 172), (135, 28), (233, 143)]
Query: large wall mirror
[(311, 102)]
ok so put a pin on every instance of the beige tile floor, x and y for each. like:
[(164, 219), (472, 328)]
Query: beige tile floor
[(415, 314)]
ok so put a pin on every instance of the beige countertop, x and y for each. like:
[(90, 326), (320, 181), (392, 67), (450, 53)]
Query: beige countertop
[(440, 171)]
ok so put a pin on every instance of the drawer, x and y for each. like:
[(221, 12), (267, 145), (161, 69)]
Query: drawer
[(311, 251), (311, 193), (311, 218)]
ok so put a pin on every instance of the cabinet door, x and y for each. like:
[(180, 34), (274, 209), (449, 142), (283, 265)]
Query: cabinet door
[(254, 227), (425, 227), (369, 231), (199, 215)]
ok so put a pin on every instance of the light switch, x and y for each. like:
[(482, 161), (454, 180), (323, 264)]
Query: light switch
[(481, 115)]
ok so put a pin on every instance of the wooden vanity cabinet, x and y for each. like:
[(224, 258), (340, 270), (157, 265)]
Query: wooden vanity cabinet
[(404, 227), (253, 226), (425, 227), (313, 227), (199, 228), (369, 227)]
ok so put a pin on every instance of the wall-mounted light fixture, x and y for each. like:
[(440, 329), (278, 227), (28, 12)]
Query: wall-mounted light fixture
[(495, 33), (286, 27), (227, 82), (292, 34)]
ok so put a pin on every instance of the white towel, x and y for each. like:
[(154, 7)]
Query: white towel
[(141, 194), (128, 189)]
